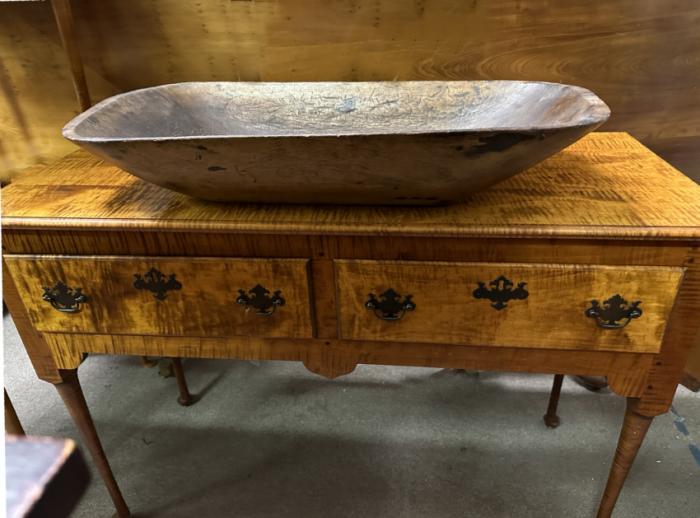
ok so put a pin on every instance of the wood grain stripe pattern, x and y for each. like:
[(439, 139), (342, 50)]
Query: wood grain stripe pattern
[(204, 305), (552, 316), (606, 185), (416, 248), (626, 372)]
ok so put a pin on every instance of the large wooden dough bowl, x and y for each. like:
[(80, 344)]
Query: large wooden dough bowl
[(415, 143)]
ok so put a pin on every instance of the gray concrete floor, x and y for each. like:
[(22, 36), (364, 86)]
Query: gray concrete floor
[(273, 440)]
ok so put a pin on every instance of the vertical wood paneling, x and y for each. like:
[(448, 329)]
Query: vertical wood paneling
[(641, 57)]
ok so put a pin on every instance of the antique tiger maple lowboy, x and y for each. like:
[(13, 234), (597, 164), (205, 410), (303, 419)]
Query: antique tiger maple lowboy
[(585, 264)]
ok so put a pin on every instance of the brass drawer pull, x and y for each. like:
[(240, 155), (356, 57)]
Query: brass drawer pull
[(390, 306), (615, 313), (501, 292), (258, 298), (64, 298), (156, 282)]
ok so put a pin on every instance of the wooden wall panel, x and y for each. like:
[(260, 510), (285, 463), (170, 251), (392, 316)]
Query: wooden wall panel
[(641, 56)]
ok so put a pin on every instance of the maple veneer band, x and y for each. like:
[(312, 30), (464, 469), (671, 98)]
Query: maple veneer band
[(510, 231)]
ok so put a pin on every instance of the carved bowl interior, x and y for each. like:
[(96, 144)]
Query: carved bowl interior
[(417, 142)]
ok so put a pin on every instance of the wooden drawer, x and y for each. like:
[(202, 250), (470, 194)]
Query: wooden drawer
[(201, 300), (549, 311)]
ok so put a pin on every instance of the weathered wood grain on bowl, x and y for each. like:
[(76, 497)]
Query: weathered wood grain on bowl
[(417, 143)]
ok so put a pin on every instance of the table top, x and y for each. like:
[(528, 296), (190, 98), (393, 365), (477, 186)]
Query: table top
[(605, 185), (44, 475)]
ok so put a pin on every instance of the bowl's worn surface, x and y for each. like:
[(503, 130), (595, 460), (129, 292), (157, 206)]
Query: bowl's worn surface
[(423, 142)]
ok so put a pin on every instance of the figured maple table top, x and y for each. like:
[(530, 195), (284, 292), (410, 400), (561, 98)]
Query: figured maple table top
[(606, 184)]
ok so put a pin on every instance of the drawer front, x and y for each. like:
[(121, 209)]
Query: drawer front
[(165, 296), (445, 303)]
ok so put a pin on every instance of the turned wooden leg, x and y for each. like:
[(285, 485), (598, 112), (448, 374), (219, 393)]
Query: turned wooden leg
[(73, 397), (12, 424), (634, 428), (185, 398), (551, 419)]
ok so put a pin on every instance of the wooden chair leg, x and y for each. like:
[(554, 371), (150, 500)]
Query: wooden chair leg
[(185, 398), (551, 419), (12, 424), (634, 429), (73, 398)]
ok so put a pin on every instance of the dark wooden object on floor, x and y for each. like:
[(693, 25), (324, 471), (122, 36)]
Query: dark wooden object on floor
[(551, 419), (586, 264), (12, 422), (592, 383), (148, 363), (45, 477)]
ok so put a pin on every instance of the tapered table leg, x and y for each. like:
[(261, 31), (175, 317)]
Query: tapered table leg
[(73, 397), (12, 424), (551, 419), (185, 398), (634, 428)]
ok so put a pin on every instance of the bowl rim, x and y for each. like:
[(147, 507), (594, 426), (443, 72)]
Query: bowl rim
[(598, 113)]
